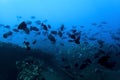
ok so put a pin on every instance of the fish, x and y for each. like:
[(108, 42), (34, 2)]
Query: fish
[(28, 22), (72, 36), (92, 38), (70, 40), (60, 33), (100, 42), (33, 28), (1, 25), (62, 44), (103, 22), (74, 30), (44, 26), (38, 22), (7, 26), (77, 40), (76, 65), (62, 27), (105, 61), (99, 53), (38, 33), (54, 32), (51, 38), (85, 64), (32, 17), (49, 26), (94, 24), (7, 34), (82, 26), (23, 26), (117, 38), (27, 45), (34, 42), (15, 30)]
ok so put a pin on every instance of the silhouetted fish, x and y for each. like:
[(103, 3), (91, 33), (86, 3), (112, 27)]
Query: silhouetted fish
[(77, 40), (7, 26), (1, 25), (82, 26), (44, 26), (32, 17), (85, 63), (60, 34), (115, 37), (49, 26), (70, 40), (27, 44), (34, 42), (54, 32), (38, 22), (51, 38), (33, 28), (94, 24), (103, 22), (28, 22), (100, 42), (62, 27), (104, 61), (92, 38), (7, 34), (15, 30), (23, 26)]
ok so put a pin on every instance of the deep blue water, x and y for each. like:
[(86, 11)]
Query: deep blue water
[(84, 32)]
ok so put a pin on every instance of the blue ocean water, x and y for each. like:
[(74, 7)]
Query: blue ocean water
[(87, 33)]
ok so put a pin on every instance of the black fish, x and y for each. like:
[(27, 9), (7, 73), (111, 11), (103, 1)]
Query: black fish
[(85, 64), (49, 26), (32, 17), (74, 30), (62, 27), (27, 44), (23, 26), (76, 65), (62, 44), (70, 40), (53, 32), (7, 26), (99, 53), (38, 33), (44, 26), (1, 25), (34, 42), (60, 33), (77, 41), (38, 22), (103, 22), (104, 61), (100, 42), (72, 36), (28, 22), (117, 38), (92, 38), (7, 34), (33, 28), (82, 26), (15, 30), (94, 24), (51, 38)]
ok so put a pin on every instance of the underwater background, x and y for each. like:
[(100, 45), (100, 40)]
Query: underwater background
[(59, 39)]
